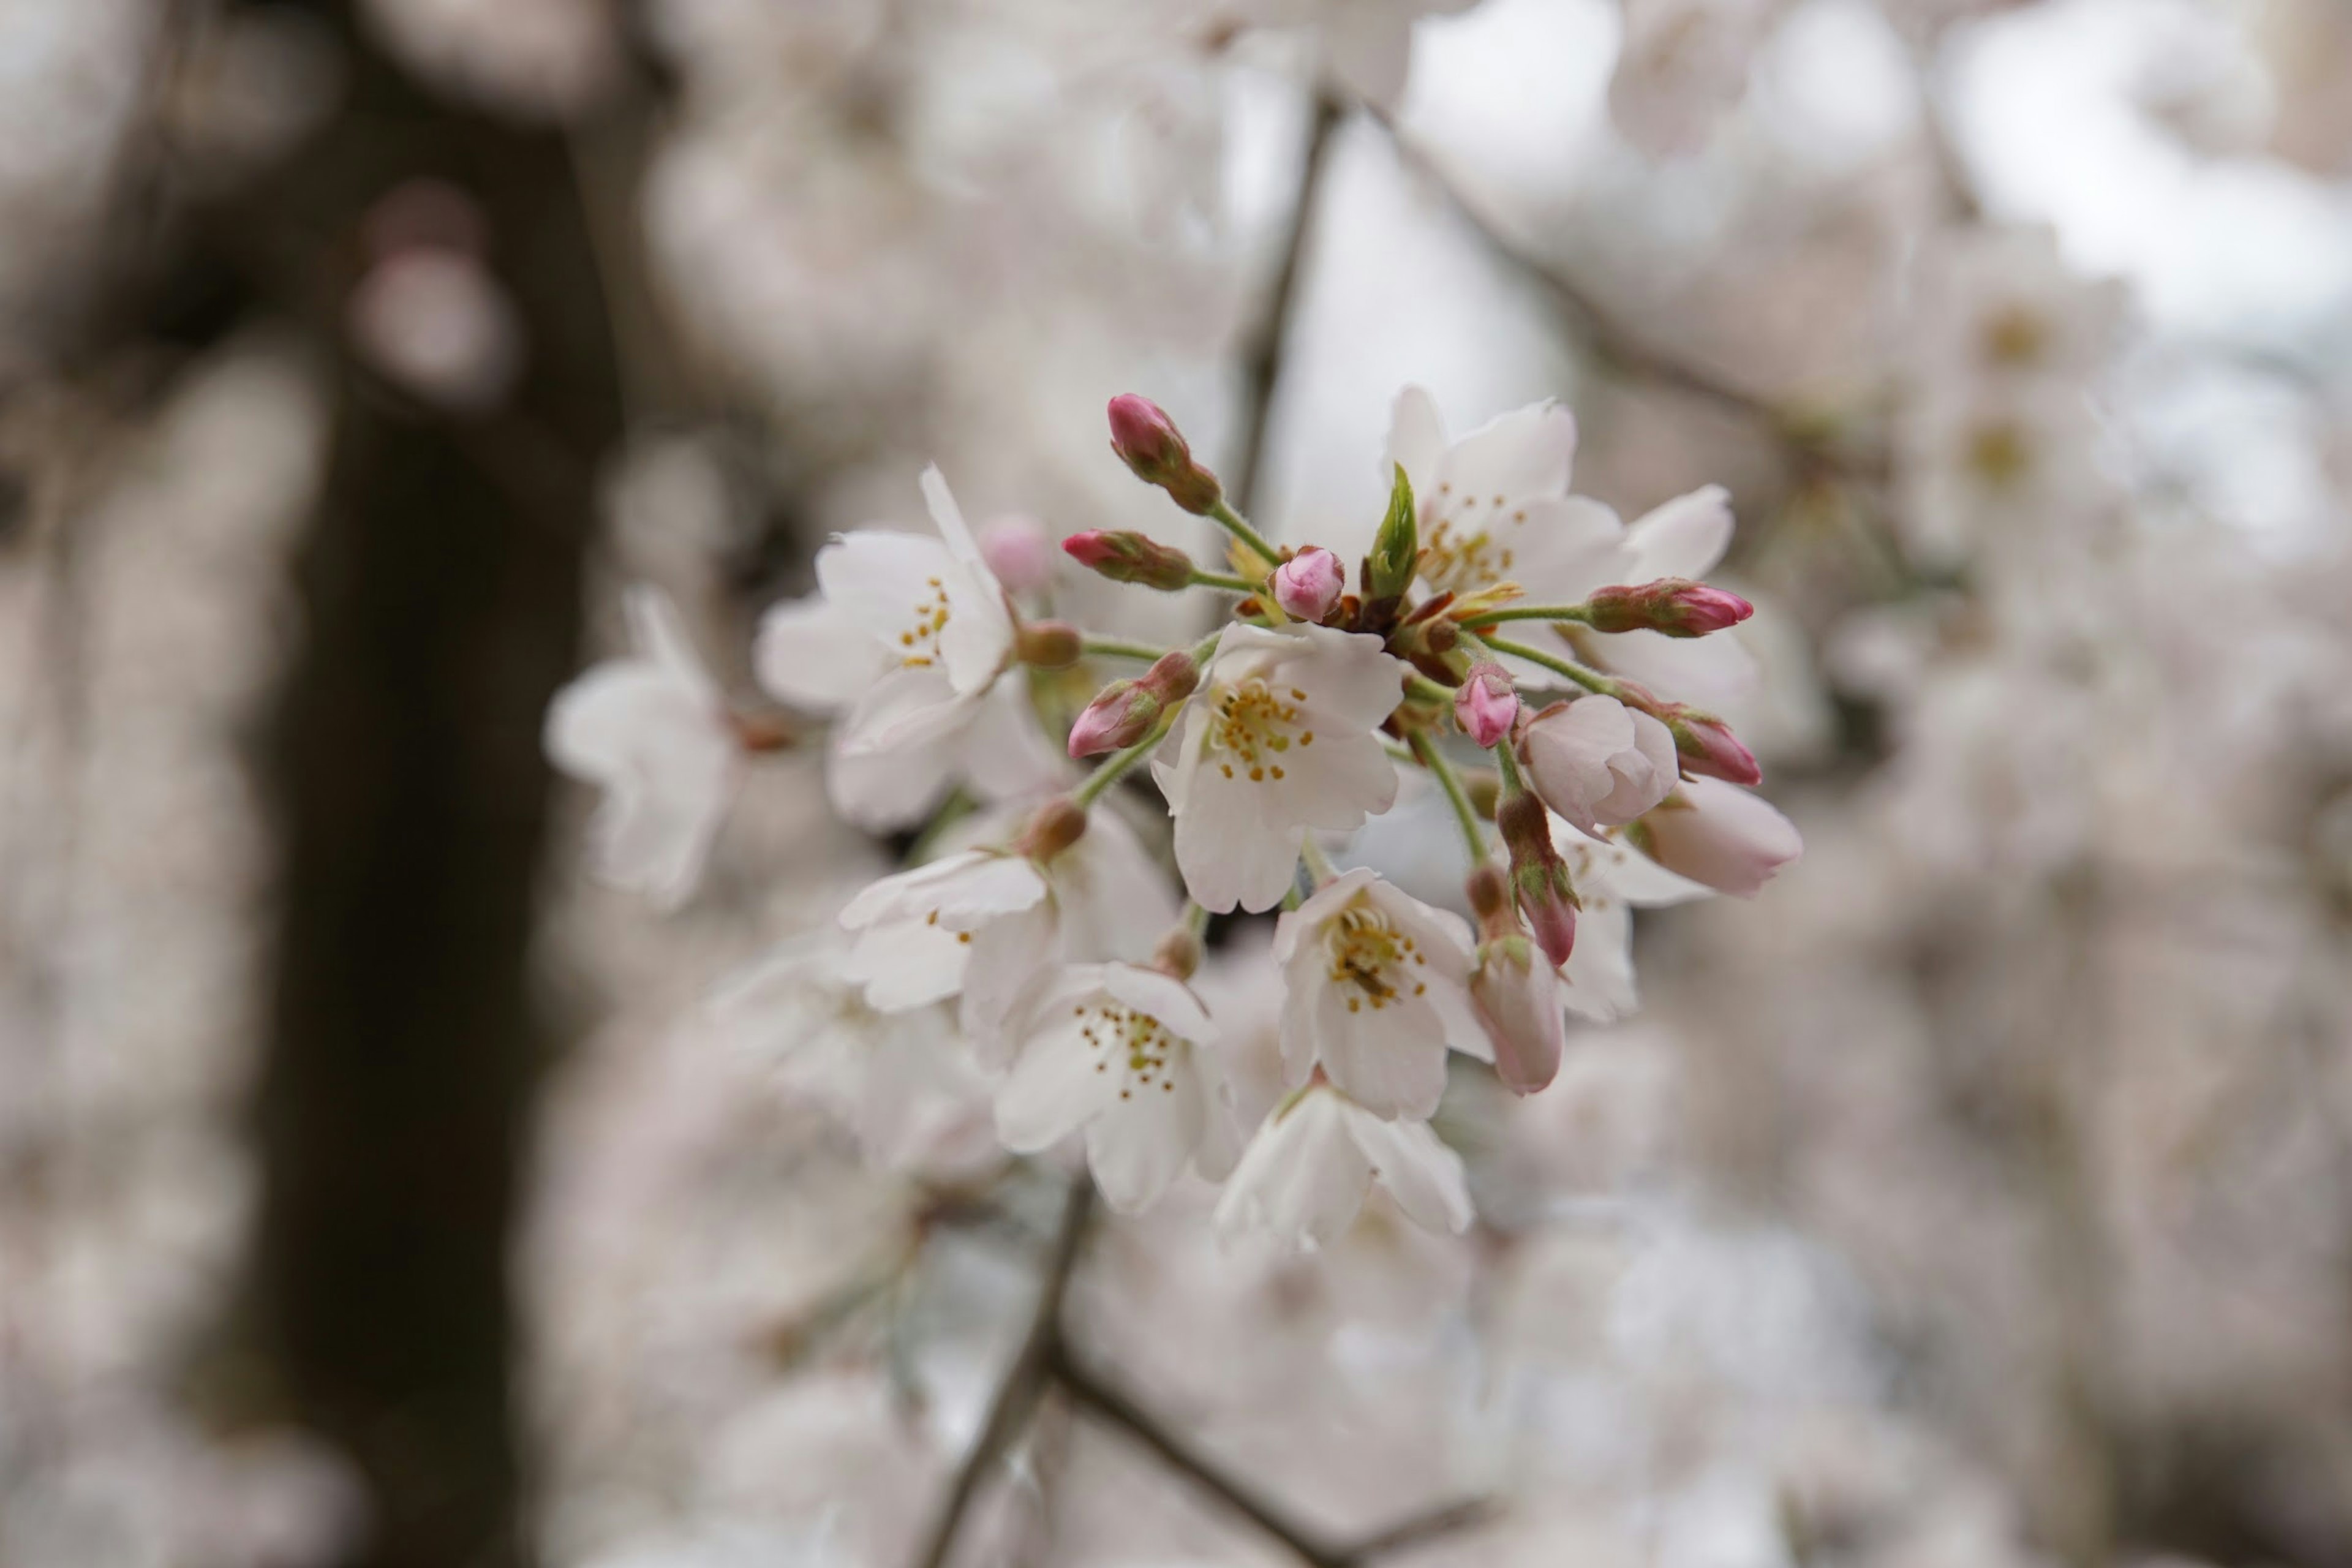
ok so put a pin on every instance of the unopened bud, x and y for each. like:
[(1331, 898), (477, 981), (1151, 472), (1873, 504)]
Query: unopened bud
[(1516, 997), (1675, 606), (1056, 825), (1489, 892), (1310, 583), (1396, 550), (1541, 884), (1124, 712), (1019, 551), (1486, 706), (1704, 743), (1049, 645), (1127, 557), (1148, 443), (1178, 954)]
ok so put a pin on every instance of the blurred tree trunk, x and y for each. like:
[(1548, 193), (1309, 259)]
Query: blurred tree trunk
[(440, 585)]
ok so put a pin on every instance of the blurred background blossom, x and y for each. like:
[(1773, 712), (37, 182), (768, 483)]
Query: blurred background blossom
[(375, 1188)]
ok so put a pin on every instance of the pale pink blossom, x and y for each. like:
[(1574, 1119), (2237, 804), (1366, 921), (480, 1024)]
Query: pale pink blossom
[(1310, 583), (1516, 993), (1731, 840), (1599, 762)]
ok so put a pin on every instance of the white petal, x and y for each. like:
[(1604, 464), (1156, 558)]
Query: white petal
[(1416, 440), (913, 706), (1140, 1144), (1306, 920), (658, 632), (1520, 456), (882, 580), (1302, 1177), (1052, 1091), (1003, 751), (1421, 1173), (904, 964), (1600, 968), (1389, 1059), (1683, 538), (882, 792), (1229, 855), (1348, 677), (1114, 898), (965, 889), (809, 654), (1444, 936), (1011, 955)]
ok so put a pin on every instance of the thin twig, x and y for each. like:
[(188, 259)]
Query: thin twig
[(1264, 360), (1091, 1394), (1023, 1381)]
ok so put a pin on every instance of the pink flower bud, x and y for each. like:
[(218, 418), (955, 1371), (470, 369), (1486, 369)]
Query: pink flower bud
[(1540, 879), (1127, 557), (1715, 833), (1124, 712), (1019, 551), (1516, 995), (1703, 743), (1148, 443), (1486, 706), (1310, 583), (1675, 606)]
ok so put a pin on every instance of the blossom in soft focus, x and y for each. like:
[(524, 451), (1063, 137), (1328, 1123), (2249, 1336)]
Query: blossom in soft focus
[(1310, 583), (1487, 705), (906, 633), (437, 324), (1494, 506), (1124, 1053), (1019, 551), (1516, 993), (653, 730), (1598, 763), (1305, 1175), (1375, 992), (1279, 741), (1731, 840)]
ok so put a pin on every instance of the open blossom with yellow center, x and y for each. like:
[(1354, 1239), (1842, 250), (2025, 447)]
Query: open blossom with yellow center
[(1279, 741), (1376, 989), (1122, 1053), (906, 633)]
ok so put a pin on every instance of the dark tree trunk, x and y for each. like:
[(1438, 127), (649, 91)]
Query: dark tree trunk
[(440, 587)]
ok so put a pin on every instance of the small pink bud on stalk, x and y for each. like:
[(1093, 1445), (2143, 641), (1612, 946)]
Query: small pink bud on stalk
[(1720, 835), (1019, 551), (1055, 827), (1310, 583), (1127, 557), (1704, 743), (1540, 879), (1675, 606), (1486, 706), (1048, 645), (1124, 712), (1148, 443)]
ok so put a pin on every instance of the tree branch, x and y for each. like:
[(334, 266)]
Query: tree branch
[(1023, 1381), (1263, 361), (1091, 1394)]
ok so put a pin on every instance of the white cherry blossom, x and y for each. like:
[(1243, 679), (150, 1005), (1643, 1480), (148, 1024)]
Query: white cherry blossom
[(1495, 506), (985, 923), (1305, 1176), (903, 636), (1126, 1054), (654, 732), (1279, 740), (1376, 986), (1611, 882)]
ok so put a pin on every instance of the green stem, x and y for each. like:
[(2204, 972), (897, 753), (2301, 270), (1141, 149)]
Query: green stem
[(1582, 613), (1196, 918), (1237, 525), (1590, 679), (1224, 580), (1422, 686), (1319, 864), (1118, 647), (1508, 766), (1426, 753)]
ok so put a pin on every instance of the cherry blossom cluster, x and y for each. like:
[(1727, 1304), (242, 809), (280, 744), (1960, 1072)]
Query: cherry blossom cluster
[(1039, 910)]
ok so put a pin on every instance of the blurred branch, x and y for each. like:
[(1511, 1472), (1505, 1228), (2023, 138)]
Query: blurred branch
[(1263, 361), (1619, 345), (1023, 1381), (1097, 1396)]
